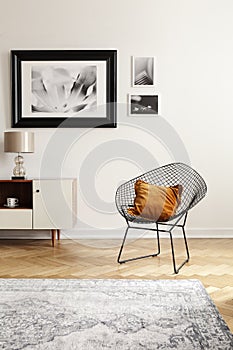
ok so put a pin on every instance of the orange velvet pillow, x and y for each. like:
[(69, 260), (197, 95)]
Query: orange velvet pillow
[(155, 203)]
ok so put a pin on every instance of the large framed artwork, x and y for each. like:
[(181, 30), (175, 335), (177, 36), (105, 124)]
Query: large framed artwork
[(64, 88)]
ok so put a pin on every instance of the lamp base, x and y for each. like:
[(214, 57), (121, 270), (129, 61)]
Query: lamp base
[(18, 177)]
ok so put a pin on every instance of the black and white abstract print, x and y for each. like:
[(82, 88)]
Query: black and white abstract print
[(143, 105), (143, 71), (63, 88)]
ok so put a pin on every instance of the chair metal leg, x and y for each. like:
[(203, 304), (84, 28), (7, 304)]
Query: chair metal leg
[(122, 245), (186, 244), (139, 257), (157, 230), (176, 224), (176, 270)]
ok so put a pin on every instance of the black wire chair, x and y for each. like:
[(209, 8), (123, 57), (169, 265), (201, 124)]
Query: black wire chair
[(194, 189)]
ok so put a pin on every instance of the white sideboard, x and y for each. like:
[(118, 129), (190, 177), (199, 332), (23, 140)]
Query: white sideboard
[(43, 204)]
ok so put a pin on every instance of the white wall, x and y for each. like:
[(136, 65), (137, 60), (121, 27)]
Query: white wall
[(192, 40)]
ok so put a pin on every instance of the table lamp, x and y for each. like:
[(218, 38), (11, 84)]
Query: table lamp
[(19, 142)]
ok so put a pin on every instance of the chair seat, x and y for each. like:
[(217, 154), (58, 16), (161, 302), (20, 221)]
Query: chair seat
[(139, 219)]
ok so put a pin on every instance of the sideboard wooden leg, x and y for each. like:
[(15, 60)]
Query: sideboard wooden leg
[(53, 237), (58, 234)]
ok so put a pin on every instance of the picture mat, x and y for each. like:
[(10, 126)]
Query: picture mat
[(100, 111)]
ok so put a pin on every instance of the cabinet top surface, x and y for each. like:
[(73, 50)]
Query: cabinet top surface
[(38, 179), (15, 181)]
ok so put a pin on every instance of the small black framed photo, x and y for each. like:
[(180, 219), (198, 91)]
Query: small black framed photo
[(143, 71), (64, 88), (144, 105)]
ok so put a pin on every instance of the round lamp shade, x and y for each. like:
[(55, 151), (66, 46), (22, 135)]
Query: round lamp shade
[(19, 141)]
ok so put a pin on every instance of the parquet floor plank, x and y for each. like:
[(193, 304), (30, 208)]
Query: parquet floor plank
[(211, 262)]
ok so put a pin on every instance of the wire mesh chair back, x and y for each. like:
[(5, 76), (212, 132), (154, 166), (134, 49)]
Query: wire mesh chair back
[(194, 187)]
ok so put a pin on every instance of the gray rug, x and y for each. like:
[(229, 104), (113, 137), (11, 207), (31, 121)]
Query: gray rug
[(109, 314)]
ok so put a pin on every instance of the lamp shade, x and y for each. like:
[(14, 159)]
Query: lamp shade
[(19, 141)]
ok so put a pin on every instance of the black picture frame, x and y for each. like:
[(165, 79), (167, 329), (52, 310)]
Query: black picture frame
[(107, 57)]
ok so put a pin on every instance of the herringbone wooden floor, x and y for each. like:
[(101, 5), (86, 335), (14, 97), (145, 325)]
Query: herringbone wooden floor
[(211, 262)]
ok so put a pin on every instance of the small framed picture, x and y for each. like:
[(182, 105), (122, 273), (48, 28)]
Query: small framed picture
[(144, 105), (143, 71)]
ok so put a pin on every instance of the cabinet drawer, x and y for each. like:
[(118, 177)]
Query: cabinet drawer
[(16, 219)]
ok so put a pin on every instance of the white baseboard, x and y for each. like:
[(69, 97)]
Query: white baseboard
[(116, 234)]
